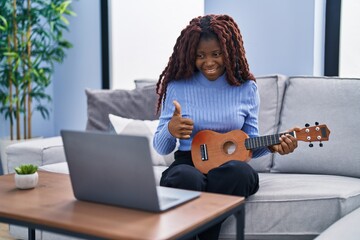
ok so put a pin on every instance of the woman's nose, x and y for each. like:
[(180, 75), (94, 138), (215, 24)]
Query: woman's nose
[(209, 62)]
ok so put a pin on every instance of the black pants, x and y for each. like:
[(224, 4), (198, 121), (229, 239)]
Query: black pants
[(232, 178)]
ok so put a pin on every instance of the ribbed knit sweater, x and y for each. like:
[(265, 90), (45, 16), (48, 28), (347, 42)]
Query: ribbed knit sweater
[(213, 105)]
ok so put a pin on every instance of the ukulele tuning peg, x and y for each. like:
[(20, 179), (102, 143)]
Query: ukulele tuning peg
[(311, 145), (316, 123), (307, 125), (321, 144)]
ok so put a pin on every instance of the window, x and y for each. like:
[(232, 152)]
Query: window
[(349, 51), (142, 36)]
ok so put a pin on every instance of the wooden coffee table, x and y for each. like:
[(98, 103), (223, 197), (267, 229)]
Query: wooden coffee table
[(51, 206)]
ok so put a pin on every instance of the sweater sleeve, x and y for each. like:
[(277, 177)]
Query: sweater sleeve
[(251, 121), (163, 142)]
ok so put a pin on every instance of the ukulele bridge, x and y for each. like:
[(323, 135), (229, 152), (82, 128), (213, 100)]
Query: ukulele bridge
[(204, 152)]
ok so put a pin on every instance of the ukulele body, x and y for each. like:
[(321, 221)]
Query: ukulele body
[(211, 149)]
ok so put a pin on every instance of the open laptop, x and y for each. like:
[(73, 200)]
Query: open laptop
[(117, 169)]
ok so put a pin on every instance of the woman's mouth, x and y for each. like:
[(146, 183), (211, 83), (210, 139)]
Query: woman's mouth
[(210, 71)]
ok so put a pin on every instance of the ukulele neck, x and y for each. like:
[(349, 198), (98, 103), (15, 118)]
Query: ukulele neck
[(265, 141)]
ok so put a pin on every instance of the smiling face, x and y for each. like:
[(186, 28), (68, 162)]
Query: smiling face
[(209, 58)]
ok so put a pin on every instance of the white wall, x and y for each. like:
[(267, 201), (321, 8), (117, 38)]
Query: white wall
[(280, 36), (349, 63), (143, 35), (81, 68)]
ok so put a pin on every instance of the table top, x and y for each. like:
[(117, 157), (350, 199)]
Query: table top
[(52, 204)]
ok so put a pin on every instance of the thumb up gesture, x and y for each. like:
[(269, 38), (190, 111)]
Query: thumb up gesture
[(178, 126)]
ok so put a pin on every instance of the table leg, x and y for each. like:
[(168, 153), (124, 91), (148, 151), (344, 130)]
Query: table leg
[(240, 223), (31, 233)]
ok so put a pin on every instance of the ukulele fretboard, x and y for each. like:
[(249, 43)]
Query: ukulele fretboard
[(265, 141)]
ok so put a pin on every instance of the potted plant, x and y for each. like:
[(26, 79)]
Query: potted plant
[(26, 176), (31, 41)]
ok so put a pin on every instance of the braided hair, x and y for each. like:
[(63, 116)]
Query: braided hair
[(181, 63)]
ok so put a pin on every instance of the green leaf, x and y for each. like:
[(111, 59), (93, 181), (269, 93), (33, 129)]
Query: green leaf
[(26, 169), (65, 20), (10, 54), (4, 25)]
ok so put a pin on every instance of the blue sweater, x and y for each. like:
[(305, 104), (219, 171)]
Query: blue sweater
[(212, 105)]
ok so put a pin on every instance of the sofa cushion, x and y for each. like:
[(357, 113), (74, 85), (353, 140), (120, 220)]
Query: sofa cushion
[(61, 167), (139, 103), (145, 128), (296, 205), (330, 101), (271, 89), (139, 83)]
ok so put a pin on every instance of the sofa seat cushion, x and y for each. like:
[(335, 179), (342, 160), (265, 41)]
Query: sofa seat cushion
[(63, 168), (56, 168), (39, 152), (296, 205)]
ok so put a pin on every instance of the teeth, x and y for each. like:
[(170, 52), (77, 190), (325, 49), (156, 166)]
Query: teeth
[(211, 70)]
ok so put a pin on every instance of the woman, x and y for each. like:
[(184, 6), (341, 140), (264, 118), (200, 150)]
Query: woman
[(207, 84)]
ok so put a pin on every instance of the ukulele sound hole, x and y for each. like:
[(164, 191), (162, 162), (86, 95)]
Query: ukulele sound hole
[(229, 147)]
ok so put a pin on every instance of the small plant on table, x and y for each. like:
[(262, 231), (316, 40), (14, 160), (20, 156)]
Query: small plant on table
[(26, 176)]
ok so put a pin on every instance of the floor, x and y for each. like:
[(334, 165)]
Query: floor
[(4, 232)]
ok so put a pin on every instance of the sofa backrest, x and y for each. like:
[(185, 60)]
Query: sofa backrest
[(327, 100), (271, 89)]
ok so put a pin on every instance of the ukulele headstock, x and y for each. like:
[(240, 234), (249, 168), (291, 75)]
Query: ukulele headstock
[(317, 133)]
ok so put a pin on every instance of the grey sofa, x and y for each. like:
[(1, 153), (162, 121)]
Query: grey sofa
[(301, 194)]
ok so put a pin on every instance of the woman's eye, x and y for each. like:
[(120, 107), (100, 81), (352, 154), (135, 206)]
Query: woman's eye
[(200, 56), (217, 54)]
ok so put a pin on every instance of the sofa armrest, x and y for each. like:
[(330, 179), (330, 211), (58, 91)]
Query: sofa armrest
[(345, 228), (38, 152)]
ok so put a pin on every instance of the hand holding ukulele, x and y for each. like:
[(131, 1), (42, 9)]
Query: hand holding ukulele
[(287, 143)]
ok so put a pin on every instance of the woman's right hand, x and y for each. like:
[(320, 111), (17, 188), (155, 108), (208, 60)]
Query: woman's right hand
[(178, 126)]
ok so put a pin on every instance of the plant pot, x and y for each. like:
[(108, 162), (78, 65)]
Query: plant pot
[(26, 181)]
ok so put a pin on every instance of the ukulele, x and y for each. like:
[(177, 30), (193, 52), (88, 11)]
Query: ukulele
[(210, 149)]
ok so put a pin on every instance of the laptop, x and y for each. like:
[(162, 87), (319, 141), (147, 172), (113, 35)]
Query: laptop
[(117, 170)]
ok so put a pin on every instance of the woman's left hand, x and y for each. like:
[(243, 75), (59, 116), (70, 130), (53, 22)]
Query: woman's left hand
[(287, 144)]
